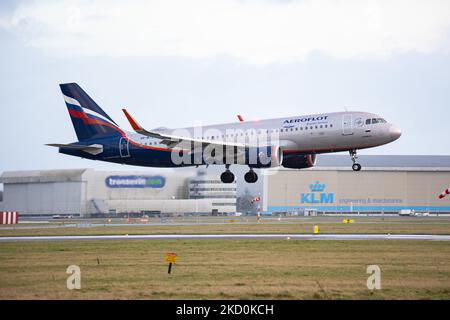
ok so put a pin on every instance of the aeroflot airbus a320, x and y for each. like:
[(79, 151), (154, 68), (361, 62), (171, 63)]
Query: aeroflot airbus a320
[(291, 142)]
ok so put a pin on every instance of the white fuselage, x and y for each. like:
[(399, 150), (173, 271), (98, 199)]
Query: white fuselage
[(318, 133)]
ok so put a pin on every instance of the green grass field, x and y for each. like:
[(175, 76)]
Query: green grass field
[(232, 269)]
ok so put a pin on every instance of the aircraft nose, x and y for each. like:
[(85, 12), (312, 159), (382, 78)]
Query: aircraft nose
[(395, 132)]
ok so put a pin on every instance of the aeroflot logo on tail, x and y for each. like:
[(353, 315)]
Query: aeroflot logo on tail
[(135, 181), (317, 194), (310, 119)]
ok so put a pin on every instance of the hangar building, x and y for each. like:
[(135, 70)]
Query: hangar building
[(90, 193), (386, 184)]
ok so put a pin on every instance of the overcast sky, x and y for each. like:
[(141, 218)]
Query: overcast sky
[(177, 63)]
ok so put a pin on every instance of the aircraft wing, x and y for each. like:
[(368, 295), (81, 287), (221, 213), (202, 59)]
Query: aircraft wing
[(171, 140)]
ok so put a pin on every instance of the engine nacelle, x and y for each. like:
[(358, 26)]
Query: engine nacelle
[(255, 157), (263, 157), (299, 161)]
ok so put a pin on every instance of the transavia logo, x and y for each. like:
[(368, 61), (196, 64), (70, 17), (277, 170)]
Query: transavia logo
[(317, 194), (135, 181)]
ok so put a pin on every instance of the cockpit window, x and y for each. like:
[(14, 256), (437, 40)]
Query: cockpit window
[(375, 120)]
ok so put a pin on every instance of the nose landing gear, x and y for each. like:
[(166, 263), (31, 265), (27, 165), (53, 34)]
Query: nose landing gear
[(356, 166)]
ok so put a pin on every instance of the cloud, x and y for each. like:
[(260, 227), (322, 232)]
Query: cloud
[(256, 32)]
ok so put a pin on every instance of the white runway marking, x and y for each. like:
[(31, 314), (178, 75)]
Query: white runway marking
[(236, 236)]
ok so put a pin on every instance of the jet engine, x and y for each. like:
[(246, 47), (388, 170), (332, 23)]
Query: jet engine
[(255, 157), (263, 157), (299, 161)]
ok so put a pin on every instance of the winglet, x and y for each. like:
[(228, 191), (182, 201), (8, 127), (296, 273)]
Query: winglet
[(240, 118), (138, 128), (134, 124)]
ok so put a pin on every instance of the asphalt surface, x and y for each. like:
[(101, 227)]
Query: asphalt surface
[(234, 236)]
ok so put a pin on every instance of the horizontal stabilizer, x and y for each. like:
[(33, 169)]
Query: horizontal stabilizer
[(92, 149)]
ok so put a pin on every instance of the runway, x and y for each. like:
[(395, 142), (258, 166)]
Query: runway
[(427, 237)]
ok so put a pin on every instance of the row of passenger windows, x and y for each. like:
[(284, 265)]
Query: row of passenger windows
[(322, 126), (268, 131), (375, 120)]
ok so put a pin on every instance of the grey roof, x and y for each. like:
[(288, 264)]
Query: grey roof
[(385, 161), (42, 176)]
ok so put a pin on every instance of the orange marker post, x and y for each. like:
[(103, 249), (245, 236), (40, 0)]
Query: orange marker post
[(171, 258)]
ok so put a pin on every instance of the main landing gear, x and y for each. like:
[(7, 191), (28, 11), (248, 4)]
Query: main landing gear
[(228, 176), (356, 166), (251, 176)]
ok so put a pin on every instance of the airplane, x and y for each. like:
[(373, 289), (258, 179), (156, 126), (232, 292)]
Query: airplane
[(290, 142)]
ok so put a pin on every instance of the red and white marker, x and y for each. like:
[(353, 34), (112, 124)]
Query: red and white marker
[(256, 199), (444, 193), (9, 217)]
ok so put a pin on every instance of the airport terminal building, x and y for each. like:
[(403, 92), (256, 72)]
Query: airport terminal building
[(387, 184), (91, 193)]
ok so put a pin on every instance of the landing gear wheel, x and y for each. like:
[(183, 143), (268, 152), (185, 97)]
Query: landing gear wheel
[(251, 176), (356, 166), (227, 177)]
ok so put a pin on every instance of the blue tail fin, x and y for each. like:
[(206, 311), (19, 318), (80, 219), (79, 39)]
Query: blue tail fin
[(88, 119)]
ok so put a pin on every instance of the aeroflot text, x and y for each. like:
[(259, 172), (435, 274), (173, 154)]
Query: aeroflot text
[(310, 119)]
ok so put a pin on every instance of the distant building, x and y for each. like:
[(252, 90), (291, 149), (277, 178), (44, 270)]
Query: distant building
[(90, 193), (211, 187), (385, 184)]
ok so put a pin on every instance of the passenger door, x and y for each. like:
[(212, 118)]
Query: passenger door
[(347, 124), (124, 148)]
